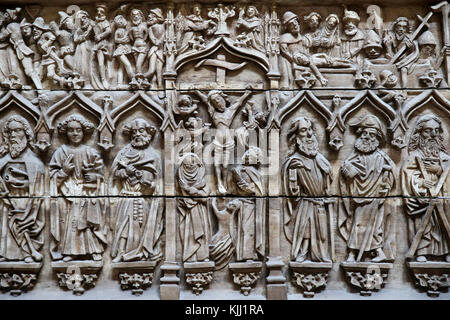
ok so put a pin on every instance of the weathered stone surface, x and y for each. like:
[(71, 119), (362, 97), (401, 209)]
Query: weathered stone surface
[(183, 149)]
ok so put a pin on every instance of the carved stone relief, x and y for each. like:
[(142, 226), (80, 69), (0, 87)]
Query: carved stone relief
[(262, 149)]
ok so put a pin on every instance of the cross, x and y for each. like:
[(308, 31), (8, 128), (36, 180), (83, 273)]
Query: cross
[(221, 67)]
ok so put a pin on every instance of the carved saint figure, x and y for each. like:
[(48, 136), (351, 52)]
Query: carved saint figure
[(250, 223), (77, 171), (195, 224), (136, 222), (21, 188), (367, 175), (352, 38), (222, 243), (222, 116), (251, 26), (424, 175), (156, 35), (307, 178)]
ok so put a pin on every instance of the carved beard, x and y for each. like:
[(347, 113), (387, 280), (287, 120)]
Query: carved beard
[(16, 147), (141, 141), (430, 147), (350, 32), (366, 146), (308, 146)]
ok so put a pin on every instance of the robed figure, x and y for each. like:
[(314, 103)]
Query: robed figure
[(306, 178), (425, 175), (367, 177), (195, 222), (136, 220), (78, 225), (249, 182), (21, 187)]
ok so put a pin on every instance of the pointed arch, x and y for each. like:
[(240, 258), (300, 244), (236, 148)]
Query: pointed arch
[(370, 98), (227, 44), (12, 98), (74, 98), (308, 97), (139, 98), (429, 96)]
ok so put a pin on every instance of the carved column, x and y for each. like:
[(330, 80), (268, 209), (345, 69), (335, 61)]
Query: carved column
[(170, 289)]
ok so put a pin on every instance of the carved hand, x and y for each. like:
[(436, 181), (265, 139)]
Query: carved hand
[(427, 184), (349, 170), (68, 166), (130, 170), (90, 177), (433, 168)]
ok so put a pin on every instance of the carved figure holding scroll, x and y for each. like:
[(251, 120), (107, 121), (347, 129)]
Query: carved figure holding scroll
[(22, 188), (77, 224)]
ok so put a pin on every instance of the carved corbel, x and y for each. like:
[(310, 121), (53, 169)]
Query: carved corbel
[(135, 276), (431, 276), (246, 274), (310, 276), (198, 275), (367, 276), (77, 276), (18, 277)]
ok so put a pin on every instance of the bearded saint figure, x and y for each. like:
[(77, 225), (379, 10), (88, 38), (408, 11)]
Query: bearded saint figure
[(306, 175), (367, 175), (21, 188), (136, 221), (425, 174)]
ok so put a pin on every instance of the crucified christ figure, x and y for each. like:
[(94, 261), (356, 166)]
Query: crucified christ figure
[(222, 113)]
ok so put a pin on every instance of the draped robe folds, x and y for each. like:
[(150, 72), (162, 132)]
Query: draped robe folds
[(290, 46), (363, 216), (312, 179), (21, 217), (137, 220), (9, 61), (78, 224), (434, 239), (195, 223), (84, 56), (250, 224), (352, 46)]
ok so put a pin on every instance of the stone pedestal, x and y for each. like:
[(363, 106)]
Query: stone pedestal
[(170, 281), (367, 276), (135, 276), (18, 277), (276, 281), (310, 276), (246, 274), (432, 276), (198, 275), (77, 275)]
